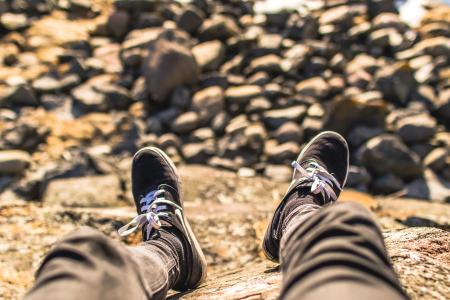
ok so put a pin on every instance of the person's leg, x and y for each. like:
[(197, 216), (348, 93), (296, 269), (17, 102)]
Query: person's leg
[(327, 249), (337, 250), (88, 265)]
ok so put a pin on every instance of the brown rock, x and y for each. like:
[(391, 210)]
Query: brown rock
[(166, 66)]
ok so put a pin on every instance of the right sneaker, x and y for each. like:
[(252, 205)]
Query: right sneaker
[(156, 189), (320, 169)]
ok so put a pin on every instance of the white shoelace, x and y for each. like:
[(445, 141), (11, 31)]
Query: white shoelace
[(151, 212), (321, 181)]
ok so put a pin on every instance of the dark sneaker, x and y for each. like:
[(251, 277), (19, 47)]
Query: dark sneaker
[(157, 194), (320, 169)]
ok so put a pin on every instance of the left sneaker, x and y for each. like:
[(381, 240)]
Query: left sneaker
[(320, 169), (156, 189)]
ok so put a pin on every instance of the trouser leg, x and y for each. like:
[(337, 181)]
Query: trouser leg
[(335, 251), (88, 265)]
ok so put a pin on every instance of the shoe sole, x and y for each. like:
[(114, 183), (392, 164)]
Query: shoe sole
[(299, 159), (190, 233)]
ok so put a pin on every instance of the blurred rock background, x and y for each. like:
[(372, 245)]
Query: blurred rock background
[(235, 85)]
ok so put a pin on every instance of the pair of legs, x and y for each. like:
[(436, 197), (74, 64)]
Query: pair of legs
[(323, 249)]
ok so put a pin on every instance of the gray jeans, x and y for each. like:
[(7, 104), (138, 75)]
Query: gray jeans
[(336, 250)]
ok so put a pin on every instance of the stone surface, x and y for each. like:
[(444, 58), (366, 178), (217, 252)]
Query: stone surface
[(93, 191)]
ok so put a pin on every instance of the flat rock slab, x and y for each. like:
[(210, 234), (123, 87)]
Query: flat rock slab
[(91, 191)]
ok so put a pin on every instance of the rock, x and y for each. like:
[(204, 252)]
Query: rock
[(190, 19), (90, 191), (277, 117), (270, 64), (429, 187), (435, 46), (166, 66), (282, 153), (218, 27), (186, 122), (20, 95), (387, 154), (289, 132), (361, 134), (208, 102), (101, 96), (46, 84), (436, 159), (14, 162), (346, 113), (202, 134), (209, 55), (358, 177), (362, 62), (396, 82), (387, 184), (197, 152), (256, 135), (278, 173), (417, 128), (315, 87), (118, 23), (14, 22), (242, 94), (258, 104), (443, 104)]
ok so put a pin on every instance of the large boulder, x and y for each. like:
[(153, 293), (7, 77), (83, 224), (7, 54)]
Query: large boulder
[(166, 66)]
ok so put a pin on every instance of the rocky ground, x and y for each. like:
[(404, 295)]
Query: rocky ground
[(229, 215), (234, 85)]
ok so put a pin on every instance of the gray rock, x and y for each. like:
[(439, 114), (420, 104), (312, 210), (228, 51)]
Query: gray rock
[(209, 55), (186, 122), (14, 162), (256, 135), (361, 134), (46, 84), (281, 153), (443, 104), (417, 128), (387, 184), (436, 159), (289, 132), (190, 19), (387, 154), (430, 186), (358, 177), (276, 117), (242, 94), (197, 152), (208, 102), (166, 66), (218, 27), (270, 63), (90, 191), (20, 95), (396, 82), (315, 87)]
